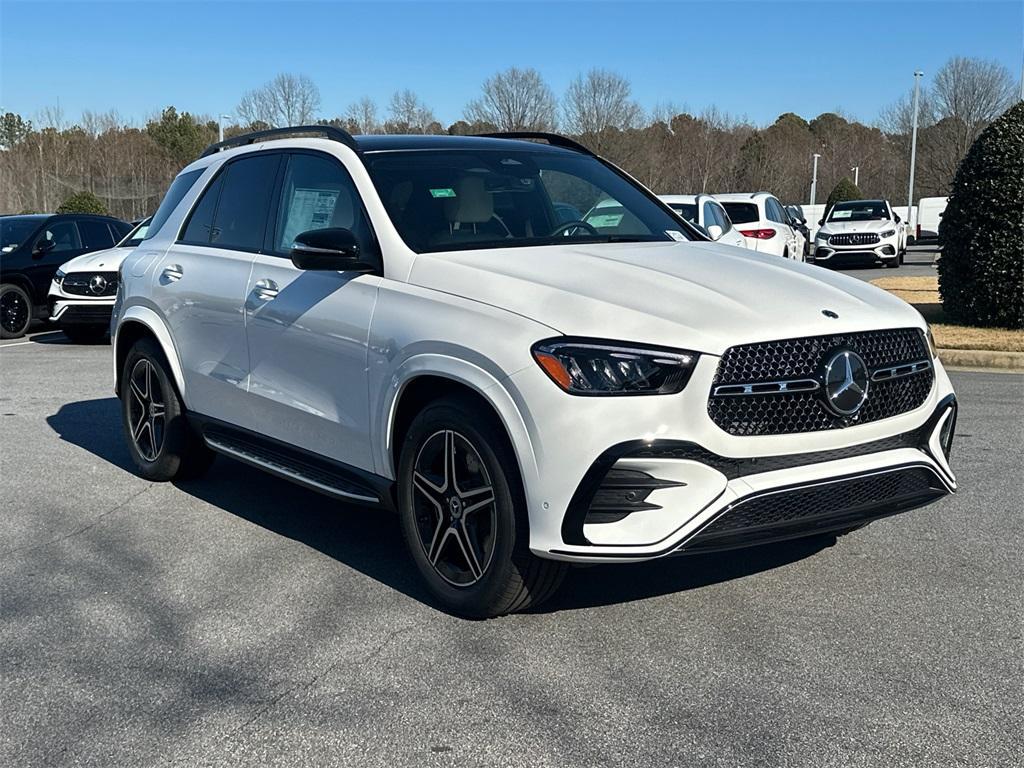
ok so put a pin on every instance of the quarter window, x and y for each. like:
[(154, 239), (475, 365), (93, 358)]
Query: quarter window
[(175, 194), (200, 223)]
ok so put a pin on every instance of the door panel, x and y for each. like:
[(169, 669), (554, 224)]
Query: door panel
[(308, 334), (201, 292), (308, 329)]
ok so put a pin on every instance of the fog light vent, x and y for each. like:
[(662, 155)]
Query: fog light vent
[(623, 492)]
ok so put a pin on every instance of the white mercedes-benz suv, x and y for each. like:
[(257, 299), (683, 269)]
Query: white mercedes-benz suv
[(405, 322), (861, 231)]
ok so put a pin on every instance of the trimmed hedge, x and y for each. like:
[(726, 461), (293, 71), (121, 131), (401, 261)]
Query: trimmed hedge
[(844, 190), (83, 202), (982, 229)]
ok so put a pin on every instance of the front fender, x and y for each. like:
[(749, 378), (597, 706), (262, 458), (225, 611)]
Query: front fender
[(149, 319)]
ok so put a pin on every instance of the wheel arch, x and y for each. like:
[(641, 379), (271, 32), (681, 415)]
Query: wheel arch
[(141, 322)]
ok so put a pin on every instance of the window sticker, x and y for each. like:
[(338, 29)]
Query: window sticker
[(605, 220), (442, 192), (675, 234), (842, 214), (309, 209)]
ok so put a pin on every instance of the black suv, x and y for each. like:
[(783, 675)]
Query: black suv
[(32, 247)]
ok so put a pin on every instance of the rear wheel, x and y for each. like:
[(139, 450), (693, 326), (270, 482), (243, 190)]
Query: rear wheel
[(15, 311), (85, 334), (463, 515), (160, 440)]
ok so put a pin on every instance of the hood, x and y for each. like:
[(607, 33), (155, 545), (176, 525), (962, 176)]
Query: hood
[(108, 260), (700, 296), (850, 227)]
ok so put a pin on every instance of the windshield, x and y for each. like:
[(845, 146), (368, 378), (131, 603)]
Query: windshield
[(687, 210), (14, 230), (136, 236), (742, 213), (859, 210), (459, 199)]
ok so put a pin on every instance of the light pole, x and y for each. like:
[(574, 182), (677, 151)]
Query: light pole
[(220, 121), (814, 178), (913, 145), (856, 175)]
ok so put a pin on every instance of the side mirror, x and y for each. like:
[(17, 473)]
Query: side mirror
[(43, 246), (714, 231), (333, 249), (897, 218), (821, 222)]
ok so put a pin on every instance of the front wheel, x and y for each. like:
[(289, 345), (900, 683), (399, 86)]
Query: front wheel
[(15, 311), (463, 515), (160, 440)]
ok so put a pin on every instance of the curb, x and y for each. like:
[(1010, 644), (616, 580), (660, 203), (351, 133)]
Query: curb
[(982, 358)]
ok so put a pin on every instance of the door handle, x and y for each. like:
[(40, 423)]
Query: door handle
[(265, 289), (172, 273)]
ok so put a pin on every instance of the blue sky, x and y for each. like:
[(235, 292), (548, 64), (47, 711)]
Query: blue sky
[(752, 59)]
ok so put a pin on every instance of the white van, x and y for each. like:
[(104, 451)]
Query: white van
[(929, 212)]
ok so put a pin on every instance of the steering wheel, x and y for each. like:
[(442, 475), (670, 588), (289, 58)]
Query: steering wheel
[(564, 229)]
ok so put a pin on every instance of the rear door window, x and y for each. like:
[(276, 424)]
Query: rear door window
[(95, 235), (240, 221)]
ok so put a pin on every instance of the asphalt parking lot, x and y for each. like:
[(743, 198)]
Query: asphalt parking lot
[(239, 620), (918, 262)]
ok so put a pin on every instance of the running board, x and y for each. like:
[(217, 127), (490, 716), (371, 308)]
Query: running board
[(311, 472)]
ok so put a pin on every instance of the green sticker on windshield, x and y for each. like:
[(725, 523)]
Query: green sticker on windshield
[(443, 192)]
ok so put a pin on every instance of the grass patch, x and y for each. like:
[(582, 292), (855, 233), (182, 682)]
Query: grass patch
[(923, 293)]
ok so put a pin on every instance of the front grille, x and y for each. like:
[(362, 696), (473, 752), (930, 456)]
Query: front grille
[(781, 413), (96, 284), (829, 506), (854, 238)]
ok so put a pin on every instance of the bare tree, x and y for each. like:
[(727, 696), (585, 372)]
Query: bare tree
[(362, 116), (598, 101), (286, 100), (515, 100), (408, 114)]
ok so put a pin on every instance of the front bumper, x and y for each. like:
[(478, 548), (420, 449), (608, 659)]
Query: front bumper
[(885, 250), (80, 311), (662, 490)]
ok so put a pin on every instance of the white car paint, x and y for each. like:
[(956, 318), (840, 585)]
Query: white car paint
[(772, 217), (710, 216), (888, 234), (322, 364), (930, 210)]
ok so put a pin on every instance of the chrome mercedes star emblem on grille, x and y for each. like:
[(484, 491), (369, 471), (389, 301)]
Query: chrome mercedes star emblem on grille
[(846, 382), (97, 284)]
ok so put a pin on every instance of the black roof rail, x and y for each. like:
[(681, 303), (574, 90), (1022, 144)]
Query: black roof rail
[(553, 139), (327, 131)]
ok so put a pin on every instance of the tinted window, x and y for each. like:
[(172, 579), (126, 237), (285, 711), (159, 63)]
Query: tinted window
[(200, 222), (241, 218), (95, 234), (723, 218), (687, 210), (65, 236), (14, 230), (490, 198), (709, 215), (178, 189), (136, 236), (859, 210), (318, 194), (742, 213), (773, 211)]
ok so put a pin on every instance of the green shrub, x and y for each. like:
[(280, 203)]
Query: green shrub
[(981, 232), (83, 202), (844, 190)]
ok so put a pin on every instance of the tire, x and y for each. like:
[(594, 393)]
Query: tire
[(438, 525), (785, 253), (895, 263), (162, 444), (85, 334), (16, 311)]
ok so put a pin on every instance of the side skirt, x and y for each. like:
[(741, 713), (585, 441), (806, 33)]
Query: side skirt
[(310, 470)]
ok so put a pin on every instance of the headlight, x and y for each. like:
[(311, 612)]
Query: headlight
[(594, 367), (59, 277), (821, 236), (889, 233)]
